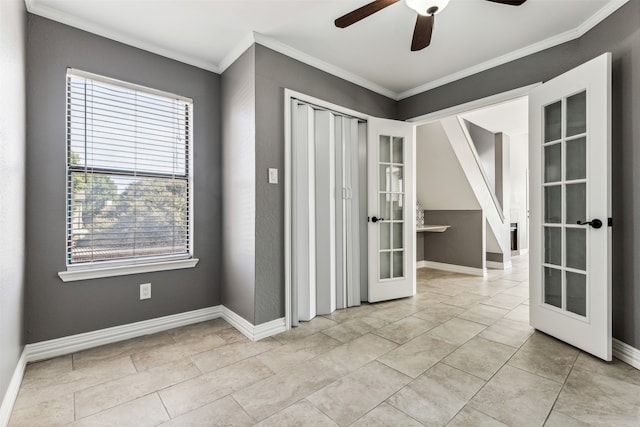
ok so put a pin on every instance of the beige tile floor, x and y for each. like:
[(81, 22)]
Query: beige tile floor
[(460, 353)]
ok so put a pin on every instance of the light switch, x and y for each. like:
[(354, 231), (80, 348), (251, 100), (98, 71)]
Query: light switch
[(273, 176)]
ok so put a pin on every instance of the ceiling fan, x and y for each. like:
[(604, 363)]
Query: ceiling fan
[(426, 10)]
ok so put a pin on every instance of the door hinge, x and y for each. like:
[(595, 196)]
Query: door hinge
[(610, 222)]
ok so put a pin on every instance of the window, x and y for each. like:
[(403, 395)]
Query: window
[(129, 173)]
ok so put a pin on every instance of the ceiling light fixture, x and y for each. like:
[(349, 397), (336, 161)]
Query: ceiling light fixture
[(427, 7)]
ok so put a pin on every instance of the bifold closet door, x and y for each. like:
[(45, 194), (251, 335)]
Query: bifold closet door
[(348, 218), (303, 212), (328, 156), (325, 201)]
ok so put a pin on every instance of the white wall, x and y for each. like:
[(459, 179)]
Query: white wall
[(519, 168), (12, 190), (440, 181)]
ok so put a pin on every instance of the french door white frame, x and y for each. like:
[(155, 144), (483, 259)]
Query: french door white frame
[(289, 95)]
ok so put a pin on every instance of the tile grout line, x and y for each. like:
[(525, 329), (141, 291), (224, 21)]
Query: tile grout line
[(563, 385)]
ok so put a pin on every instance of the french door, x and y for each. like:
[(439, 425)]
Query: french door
[(570, 246), (392, 204)]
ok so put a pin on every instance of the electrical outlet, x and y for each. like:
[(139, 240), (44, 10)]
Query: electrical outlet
[(145, 291)]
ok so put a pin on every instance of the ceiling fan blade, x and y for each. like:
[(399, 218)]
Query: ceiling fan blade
[(422, 32), (363, 12), (509, 2)]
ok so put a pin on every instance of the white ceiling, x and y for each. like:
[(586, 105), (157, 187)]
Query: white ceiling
[(469, 35)]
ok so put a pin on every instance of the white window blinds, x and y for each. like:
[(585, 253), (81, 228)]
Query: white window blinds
[(128, 171)]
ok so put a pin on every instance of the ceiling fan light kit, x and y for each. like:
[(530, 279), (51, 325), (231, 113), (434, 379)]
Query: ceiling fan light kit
[(425, 9)]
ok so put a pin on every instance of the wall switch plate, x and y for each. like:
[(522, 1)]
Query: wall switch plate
[(273, 176), (145, 291)]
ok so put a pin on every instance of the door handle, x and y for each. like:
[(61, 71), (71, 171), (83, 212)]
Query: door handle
[(595, 223), (376, 219)]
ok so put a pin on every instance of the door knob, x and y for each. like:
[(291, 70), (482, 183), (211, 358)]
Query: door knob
[(376, 219), (595, 223)]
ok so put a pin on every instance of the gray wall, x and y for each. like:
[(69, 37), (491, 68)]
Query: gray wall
[(239, 191), (12, 190), (274, 72), (53, 308), (420, 246), (619, 34), (459, 245)]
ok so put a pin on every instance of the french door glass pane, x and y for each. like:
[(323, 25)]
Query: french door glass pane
[(553, 245), (385, 265), (553, 204), (576, 293), (398, 206), (385, 235), (397, 236), (553, 122), (397, 178), (398, 264), (553, 286), (576, 200), (553, 163), (577, 114), (384, 210), (385, 149), (577, 159), (577, 248), (398, 150)]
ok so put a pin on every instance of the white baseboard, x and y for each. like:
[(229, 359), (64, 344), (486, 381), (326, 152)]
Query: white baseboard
[(626, 353), (268, 329), (452, 267), (71, 344), (253, 332), (499, 265), (12, 391)]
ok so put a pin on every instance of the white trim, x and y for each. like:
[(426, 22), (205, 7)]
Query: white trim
[(289, 51), (253, 332), (305, 58), (265, 330), (453, 268), (476, 104), (11, 394), (240, 323), (74, 343), (122, 270), (556, 40), (38, 9), (499, 265), (626, 353), (287, 208), (71, 344), (236, 52)]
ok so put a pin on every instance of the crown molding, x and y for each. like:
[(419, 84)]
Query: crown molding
[(573, 34), (236, 52), (36, 9), (305, 58), (249, 39)]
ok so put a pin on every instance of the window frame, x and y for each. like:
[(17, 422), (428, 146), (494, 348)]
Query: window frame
[(132, 265)]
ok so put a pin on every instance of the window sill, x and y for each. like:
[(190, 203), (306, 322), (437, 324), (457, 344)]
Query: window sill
[(122, 270)]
